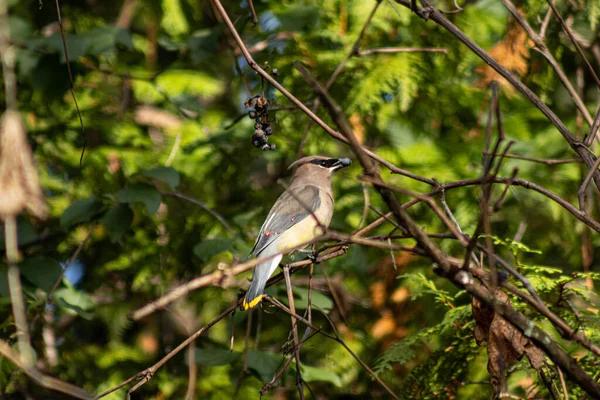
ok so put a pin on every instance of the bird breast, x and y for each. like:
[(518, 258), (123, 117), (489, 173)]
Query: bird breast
[(308, 228)]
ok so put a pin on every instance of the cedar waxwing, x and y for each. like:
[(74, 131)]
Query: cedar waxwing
[(290, 222)]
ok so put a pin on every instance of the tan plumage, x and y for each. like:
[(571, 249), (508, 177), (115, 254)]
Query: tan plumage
[(292, 220)]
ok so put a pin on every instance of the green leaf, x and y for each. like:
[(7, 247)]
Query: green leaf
[(141, 193), (168, 175), (216, 357), (79, 212), (209, 248), (402, 351), (117, 221), (105, 40), (77, 45), (79, 302), (314, 374), (264, 363), (40, 271), (19, 27)]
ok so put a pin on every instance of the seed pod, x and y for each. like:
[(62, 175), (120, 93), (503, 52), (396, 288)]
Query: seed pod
[(19, 182)]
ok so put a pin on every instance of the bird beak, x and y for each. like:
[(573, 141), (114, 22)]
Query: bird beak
[(341, 163)]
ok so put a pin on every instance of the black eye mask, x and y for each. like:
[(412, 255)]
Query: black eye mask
[(325, 163)]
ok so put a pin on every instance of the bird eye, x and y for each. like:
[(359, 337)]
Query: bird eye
[(324, 163)]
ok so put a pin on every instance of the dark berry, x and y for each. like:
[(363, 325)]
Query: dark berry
[(252, 114), (269, 130), (259, 140)]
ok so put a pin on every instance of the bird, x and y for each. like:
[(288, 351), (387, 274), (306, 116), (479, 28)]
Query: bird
[(292, 220)]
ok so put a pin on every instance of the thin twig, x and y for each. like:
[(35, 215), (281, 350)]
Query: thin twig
[(594, 129), (147, 374), (290, 295), (563, 384), (428, 12), (335, 338), (353, 50), (391, 50), (546, 161), (267, 77), (541, 47), (66, 267), (253, 12), (71, 84), (574, 41), (42, 379), (460, 278), (585, 184)]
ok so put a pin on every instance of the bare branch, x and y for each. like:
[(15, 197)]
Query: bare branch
[(585, 184), (392, 50), (431, 13), (574, 41), (145, 375), (42, 379)]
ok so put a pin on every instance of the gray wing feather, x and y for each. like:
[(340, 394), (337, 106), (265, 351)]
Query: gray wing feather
[(286, 212)]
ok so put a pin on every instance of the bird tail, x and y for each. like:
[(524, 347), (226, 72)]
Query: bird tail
[(262, 272)]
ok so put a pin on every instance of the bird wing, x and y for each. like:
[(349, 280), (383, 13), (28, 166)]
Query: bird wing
[(292, 207)]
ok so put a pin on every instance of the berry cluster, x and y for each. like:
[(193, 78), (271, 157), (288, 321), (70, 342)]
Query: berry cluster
[(262, 127)]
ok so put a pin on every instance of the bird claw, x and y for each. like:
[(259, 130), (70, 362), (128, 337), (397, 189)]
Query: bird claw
[(311, 254)]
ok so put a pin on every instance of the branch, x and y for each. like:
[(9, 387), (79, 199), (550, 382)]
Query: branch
[(147, 374), (540, 46), (429, 12), (389, 50), (267, 77), (460, 278), (335, 337), (42, 379), (575, 43), (71, 85), (546, 161)]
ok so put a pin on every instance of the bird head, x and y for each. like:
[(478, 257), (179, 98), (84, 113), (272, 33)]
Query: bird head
[(319, 166)]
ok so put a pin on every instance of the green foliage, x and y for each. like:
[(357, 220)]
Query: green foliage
[(161, 98), (141, 193)]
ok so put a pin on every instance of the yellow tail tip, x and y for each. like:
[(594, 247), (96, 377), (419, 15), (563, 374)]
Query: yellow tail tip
[(253, 303)]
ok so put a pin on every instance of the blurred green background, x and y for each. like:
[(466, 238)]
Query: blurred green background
[(162, 102)]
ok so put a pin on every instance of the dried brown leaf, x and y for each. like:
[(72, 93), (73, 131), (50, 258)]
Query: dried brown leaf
[(512, 53), (19, 182), (505, 343)]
